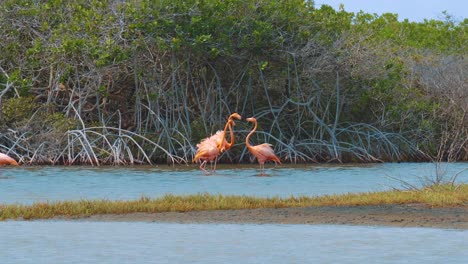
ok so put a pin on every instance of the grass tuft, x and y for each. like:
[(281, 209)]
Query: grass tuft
[(434, 196)]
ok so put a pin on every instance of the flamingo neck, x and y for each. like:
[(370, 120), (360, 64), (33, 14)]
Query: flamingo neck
[(248, 136), (231, 133), (225, 128), (223, 134)]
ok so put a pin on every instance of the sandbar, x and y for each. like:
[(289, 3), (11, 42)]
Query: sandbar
[(408, 215)]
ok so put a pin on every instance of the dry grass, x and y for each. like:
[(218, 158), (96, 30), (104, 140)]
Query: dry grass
[(435, 196)]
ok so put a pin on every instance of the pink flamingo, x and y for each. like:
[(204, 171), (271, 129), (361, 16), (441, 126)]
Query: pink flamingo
[(209, 148), (262, 152), (227, 145), (7, 160)]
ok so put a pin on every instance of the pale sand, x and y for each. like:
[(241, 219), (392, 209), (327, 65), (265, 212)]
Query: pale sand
[(414, 215)]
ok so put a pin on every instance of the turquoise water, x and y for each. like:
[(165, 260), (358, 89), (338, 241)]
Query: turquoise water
[(32, 184), (138, 242), (98, 242)]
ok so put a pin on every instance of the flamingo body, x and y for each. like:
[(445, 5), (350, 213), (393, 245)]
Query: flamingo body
[(262, 152), (7, 160), (209, 148)]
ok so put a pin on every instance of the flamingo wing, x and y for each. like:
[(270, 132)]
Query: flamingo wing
[(213, 138), (206, 152), (218, 140), (207, 148), (264, 152), (7, 160)]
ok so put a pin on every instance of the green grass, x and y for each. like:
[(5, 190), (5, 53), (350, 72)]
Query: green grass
[(435, 196)]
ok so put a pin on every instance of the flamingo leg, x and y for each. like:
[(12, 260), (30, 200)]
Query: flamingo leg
[(211, 168), (214, 170), (262, 169), (203, 165)]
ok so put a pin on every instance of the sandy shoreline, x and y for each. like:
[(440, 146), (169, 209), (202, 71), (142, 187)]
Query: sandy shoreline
[(414, 215)]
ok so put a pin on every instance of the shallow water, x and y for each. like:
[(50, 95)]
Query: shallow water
[(138, 242), (97, 242), (32, 184)]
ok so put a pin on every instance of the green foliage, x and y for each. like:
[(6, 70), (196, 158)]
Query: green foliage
[(59, 123), (330, 24), (169, 63), (23, 85), (441, 36), (18, 109)]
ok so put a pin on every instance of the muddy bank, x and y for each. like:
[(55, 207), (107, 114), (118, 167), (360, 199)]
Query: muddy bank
[(415, 215)]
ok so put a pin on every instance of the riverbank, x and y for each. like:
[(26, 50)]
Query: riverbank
[(408, 215), (435, 206)]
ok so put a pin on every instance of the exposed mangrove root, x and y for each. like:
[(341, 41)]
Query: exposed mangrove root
[(143, 82)]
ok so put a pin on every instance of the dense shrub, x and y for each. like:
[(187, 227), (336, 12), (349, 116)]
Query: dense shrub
[(142, 81)]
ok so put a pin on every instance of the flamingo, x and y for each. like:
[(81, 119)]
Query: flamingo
[(262, 152), (7, 160), (210, 147), (227, 145)]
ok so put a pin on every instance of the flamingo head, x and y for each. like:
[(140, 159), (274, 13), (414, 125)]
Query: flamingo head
[(251, 119), (236, 116)]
